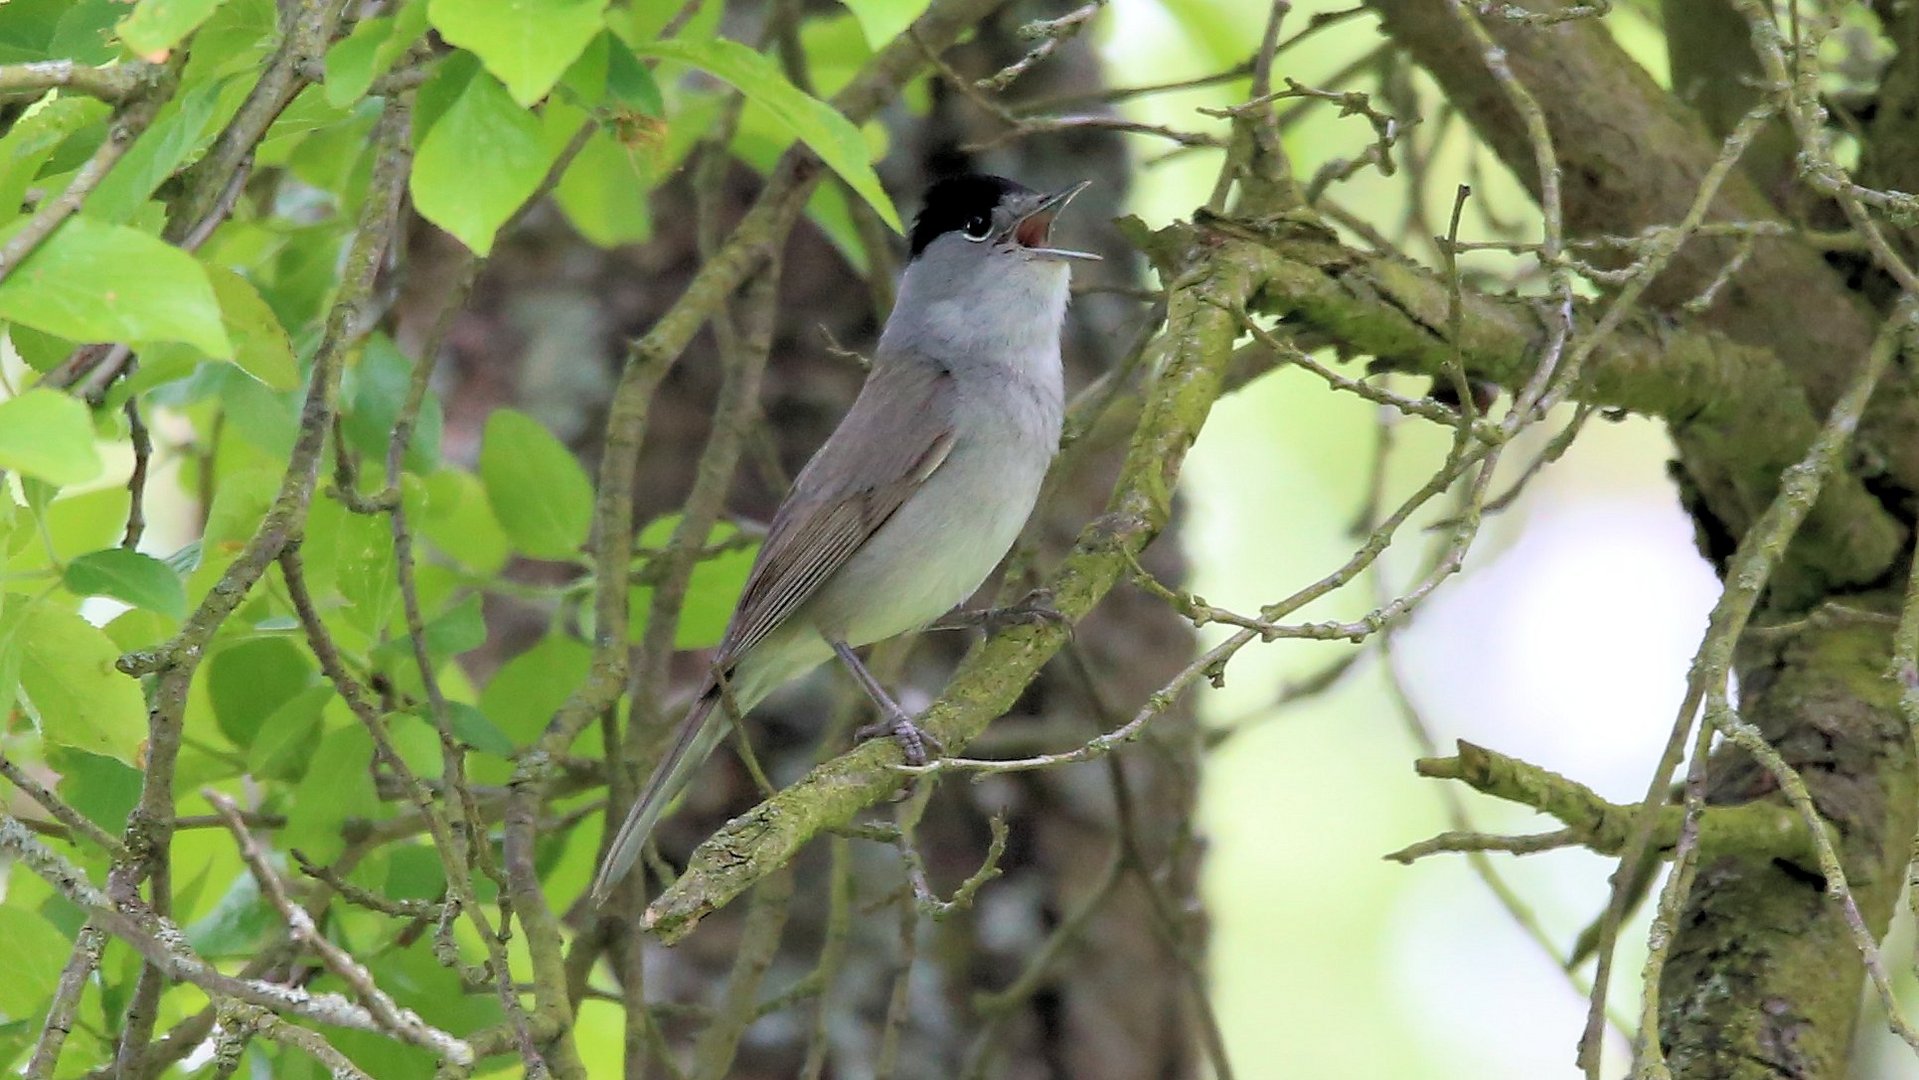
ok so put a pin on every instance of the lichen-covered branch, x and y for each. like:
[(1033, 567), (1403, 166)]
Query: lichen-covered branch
[(1732, 399), (164, 946), (1753, 830), (1632, 157)]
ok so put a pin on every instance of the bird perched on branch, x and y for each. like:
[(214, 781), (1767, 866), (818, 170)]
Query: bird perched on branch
[(922, 488)]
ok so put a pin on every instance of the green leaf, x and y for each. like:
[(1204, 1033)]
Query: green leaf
[(712, 591), (528, 44), (32, 140), (377, 387), (644, 20), (364, 571), (84, 32), (418, 745), (461, 628), (831, 135), (44, 352), (475, 730), (239, 503), (335, 157), (883, 20), (238, 923), (414, 872), (137, 579), (836, 49), (47, 434), (367, 53), (527, 689), (457, 518), (72, 522), (252, 679), (182, 128), (604, 193), (338, 785), (628, 80), (354, 62), (260, 345), (95, 282), (267, 419), (311, 119), (138, 628), (287, 737), (102, 788), (446, 80), (584, 82), (236, 39), (536, 487), (30, 964), (158, 25), (79, 697), (28, 30), (481, 160)]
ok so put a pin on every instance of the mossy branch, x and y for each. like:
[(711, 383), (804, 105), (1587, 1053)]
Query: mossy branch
[(1734, 402), (1762, 830)]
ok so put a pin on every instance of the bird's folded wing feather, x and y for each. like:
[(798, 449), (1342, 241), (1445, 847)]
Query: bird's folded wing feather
[(897, 434)]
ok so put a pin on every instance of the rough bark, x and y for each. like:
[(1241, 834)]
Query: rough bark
[(1763, 979)]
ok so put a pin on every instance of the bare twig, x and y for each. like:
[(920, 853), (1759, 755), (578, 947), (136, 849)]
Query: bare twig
[(126, 126), (80, 824), (400, 1022), (164, 946), (114, 85), (1051, 34)]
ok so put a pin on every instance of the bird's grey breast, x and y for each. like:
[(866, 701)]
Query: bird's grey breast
[(940, 545)]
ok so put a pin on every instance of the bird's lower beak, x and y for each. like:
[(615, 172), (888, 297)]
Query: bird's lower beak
[(1033, 230)]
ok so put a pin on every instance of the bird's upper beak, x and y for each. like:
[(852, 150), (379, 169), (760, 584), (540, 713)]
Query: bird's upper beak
[(1034, 228)]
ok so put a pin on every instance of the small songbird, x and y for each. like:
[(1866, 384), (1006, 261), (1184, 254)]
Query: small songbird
[(922, 488)]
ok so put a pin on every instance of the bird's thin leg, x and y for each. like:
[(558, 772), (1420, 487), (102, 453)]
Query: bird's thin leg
[(893, 719)]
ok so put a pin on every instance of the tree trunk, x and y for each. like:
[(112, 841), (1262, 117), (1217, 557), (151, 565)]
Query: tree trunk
[(1764, 975)]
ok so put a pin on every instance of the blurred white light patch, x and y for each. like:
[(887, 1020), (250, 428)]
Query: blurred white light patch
[(1570, 648), (1489, 1001)]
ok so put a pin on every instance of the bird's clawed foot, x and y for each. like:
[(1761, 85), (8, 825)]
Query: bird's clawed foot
[(913, 739), (1033, 609)]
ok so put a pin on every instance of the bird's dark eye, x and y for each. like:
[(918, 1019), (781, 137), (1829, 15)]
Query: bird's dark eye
[(978, 227)]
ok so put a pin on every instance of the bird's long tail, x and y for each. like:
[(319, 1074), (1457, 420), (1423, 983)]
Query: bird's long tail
[(705, 725)]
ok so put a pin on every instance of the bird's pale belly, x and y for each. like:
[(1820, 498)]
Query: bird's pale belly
[(935, 550)]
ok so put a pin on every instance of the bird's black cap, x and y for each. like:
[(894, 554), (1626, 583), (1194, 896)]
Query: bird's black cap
[(954, 201)]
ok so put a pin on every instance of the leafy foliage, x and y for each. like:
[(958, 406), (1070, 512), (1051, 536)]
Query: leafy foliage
[(180, 318)]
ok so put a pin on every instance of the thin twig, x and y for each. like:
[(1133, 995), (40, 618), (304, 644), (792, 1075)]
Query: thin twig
[(396, 1020)]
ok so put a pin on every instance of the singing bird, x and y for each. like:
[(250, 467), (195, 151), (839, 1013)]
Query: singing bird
[(923, 487)]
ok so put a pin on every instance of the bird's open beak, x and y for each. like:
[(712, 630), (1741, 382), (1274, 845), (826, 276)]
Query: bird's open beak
[(1034, 229)]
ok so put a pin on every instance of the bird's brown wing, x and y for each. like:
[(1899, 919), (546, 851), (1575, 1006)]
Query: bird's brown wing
[(897, 434)]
